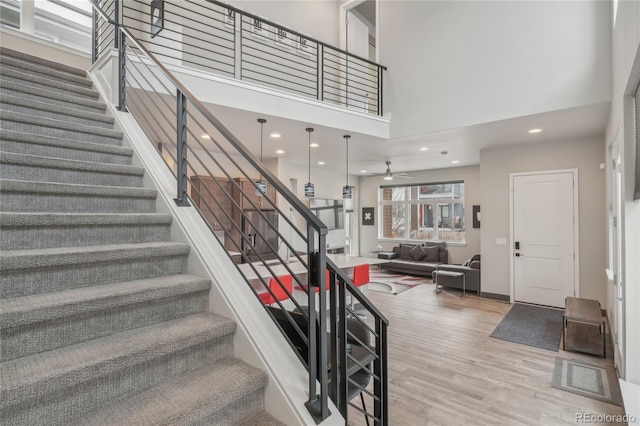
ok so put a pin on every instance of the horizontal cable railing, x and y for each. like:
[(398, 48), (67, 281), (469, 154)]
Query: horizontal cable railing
[(276, 242), (215, 37)]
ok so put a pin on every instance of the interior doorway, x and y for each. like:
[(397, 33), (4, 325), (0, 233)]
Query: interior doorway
[(544, 236)]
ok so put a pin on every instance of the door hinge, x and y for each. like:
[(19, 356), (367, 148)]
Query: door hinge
[(615, 222)]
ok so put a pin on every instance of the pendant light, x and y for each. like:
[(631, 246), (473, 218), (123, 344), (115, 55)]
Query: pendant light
[(347, 190), (309, 190), (261, 185)]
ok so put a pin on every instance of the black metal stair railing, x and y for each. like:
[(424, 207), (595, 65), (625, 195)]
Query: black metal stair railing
[(269, 233), (219, 38)]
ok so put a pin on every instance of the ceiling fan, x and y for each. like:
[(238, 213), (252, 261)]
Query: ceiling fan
[(389, 176)]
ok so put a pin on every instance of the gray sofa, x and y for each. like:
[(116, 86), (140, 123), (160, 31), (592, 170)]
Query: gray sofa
[(417, 259), (470, 269)]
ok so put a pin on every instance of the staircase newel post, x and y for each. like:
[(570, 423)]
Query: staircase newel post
[(94, 35), (181, 145), (122, 73), (116, 24)]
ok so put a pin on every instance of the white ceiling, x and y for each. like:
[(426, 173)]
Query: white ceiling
[(370, 153)]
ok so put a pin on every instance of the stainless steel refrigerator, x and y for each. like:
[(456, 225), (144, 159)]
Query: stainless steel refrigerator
[(260, 229)]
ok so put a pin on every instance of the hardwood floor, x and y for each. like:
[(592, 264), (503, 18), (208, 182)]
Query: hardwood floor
[(444, 369)]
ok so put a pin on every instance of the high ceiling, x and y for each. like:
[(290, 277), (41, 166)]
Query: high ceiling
[(369, 153)]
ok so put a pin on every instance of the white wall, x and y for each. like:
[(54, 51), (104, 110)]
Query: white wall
[(328, 184), (626, 71), (369, 187), (495, 166), (471, 62), (316, 18)]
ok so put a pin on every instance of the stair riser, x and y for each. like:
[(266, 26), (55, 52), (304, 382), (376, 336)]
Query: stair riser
[(232, 414), (37, 174), (69, 402), (60, 133), (63, 203), (38, 70), (43, 336), (12, 76), (17, 55), (33, 237), (34, 111), (19, 147), (22, 282), (52, 98)]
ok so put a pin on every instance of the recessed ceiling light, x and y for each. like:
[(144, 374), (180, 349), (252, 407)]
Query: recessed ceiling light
[(279, 151), (535, 130), (321, 163), (363, 171), (205, 136), (424, 148), (455, 162), (314, 145), (275, 135)]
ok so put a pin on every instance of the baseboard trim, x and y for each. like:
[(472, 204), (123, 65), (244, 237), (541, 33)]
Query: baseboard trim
[(496, 296)]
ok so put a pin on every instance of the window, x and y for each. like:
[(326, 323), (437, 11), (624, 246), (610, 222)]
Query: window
[(423, 212)]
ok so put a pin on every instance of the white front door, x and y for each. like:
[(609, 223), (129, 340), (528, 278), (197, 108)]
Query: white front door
[(543, 263), (617, 322)]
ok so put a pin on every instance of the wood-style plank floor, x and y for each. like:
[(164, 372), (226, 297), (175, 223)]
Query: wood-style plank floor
[(444, 369)]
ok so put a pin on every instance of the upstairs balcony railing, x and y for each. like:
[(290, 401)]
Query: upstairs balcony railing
[(277, 243), (218, 38)]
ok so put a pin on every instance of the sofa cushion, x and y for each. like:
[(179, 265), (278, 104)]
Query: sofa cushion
[(405, 251), (418, 253), (432, 254)]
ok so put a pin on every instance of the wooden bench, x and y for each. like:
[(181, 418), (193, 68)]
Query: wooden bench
[(583, 311)]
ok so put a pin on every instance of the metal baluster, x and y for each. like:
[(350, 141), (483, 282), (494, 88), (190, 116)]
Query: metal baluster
[(181, 144)]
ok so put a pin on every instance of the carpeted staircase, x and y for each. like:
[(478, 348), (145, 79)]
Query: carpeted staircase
[(100, 321)]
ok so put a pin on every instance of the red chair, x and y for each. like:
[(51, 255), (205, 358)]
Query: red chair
[(360, 274), (360, 277), (278, 290)]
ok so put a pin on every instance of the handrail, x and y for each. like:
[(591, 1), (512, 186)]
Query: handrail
[(145, 87), (283, 190), (273, 24), (225, 40)]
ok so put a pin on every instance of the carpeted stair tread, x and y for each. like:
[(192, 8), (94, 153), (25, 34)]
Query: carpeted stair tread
[(41, 94), (36, 375), (25, 230), (11, 219), (50, 306), (5, 52), (11, 74), (10, 185), (184, 400), (58, 163), (11, 260), (31, 107), (31, 120), (262, 419), (11, 135), (30, 67)]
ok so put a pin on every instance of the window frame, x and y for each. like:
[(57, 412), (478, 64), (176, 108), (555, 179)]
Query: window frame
[(408, 205)]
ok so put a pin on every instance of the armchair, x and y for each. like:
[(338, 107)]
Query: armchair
[(470, 269)]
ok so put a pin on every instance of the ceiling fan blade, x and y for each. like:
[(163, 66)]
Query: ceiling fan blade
[(402, 176)]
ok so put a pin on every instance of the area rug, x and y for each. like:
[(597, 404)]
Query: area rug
[(588, 380), (531, 325), (386, 282)]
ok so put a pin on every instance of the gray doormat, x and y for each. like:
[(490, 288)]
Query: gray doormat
[(531, 325), (588, 380)]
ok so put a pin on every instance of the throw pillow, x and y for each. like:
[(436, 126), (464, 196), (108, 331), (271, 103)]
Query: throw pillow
[(405, 252), (418, 253), (432, 254)]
